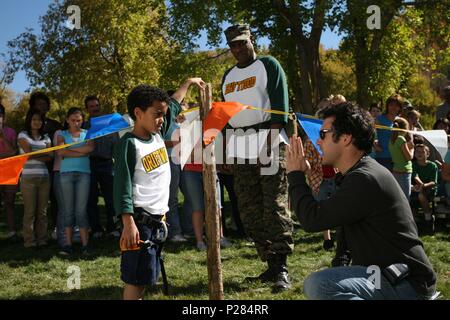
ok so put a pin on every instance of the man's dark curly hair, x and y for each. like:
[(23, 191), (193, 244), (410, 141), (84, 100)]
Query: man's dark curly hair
[(350, 119), (38, 95), (143, 96)]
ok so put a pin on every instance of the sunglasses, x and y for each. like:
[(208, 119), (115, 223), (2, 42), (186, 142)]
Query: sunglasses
[(323, 132)]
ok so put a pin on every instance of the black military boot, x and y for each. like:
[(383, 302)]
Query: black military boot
[(279, 266), (341, 259), (266, 276)]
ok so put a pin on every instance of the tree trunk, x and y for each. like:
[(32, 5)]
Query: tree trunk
[(292, 73), (362, 73), (306, 89)]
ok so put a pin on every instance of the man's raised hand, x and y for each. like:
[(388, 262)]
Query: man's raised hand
[(295, 156)]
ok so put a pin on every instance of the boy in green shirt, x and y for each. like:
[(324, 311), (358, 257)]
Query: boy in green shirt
[(424, 178), (141, 188)]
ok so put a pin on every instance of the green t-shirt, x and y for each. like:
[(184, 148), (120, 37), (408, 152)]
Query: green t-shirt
[(400, 163), (426, 173)]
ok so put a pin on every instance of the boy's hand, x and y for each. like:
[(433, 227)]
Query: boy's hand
[(130, 234), (180, 118), (198, 82)]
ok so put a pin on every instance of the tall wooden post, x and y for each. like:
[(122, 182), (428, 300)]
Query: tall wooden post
[(212, 214)]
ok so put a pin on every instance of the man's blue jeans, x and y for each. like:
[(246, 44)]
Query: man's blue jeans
[(353, 283)]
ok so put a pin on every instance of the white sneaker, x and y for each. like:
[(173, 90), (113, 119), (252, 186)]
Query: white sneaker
[(225, 243), (201, 246), (178, 238)]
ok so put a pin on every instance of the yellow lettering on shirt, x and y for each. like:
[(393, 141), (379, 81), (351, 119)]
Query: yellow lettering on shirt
[(240, 85), (155, 159)]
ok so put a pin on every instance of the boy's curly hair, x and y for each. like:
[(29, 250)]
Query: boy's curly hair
[(143, 96)]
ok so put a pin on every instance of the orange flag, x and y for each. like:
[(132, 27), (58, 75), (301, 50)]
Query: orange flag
[(10, 170), (218, 117)]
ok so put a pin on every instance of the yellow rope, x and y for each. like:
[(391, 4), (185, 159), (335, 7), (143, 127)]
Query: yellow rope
[(29, 154)]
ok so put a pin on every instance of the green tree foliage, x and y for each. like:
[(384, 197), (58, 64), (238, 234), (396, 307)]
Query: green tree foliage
[(423, 98), (338, 74), (209, 65), (16, 111), (363, 43), (6, 73), (413, 39), (294, 28), (7, 99), (121, 43)]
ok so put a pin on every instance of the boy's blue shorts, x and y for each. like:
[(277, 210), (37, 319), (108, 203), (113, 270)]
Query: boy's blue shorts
[(140, 267)]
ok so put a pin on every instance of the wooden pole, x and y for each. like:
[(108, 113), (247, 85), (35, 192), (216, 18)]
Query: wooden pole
[(294, 119), (212, 214)]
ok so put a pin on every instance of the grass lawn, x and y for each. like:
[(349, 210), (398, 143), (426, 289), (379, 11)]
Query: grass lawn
[(33, 274)]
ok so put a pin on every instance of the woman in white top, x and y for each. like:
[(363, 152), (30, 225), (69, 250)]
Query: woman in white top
[(35, 181)]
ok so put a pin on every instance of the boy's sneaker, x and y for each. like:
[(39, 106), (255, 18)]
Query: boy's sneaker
[(178, 238), (201, 246), (66, 251)]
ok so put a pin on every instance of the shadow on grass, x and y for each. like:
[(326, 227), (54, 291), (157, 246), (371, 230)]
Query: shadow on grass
[(15, 255), (177, 247), (197, 289), (92, 293), (309, 238)]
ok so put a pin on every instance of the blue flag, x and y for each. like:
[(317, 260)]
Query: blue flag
[(311, 127), (106, 124)]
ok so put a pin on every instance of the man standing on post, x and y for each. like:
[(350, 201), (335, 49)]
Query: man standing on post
[(262, 199), (388, 258)]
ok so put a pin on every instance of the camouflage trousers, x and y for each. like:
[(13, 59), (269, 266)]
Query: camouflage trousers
[(262, 201)]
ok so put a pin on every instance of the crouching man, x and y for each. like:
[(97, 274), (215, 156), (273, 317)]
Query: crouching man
[(370, 207)]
